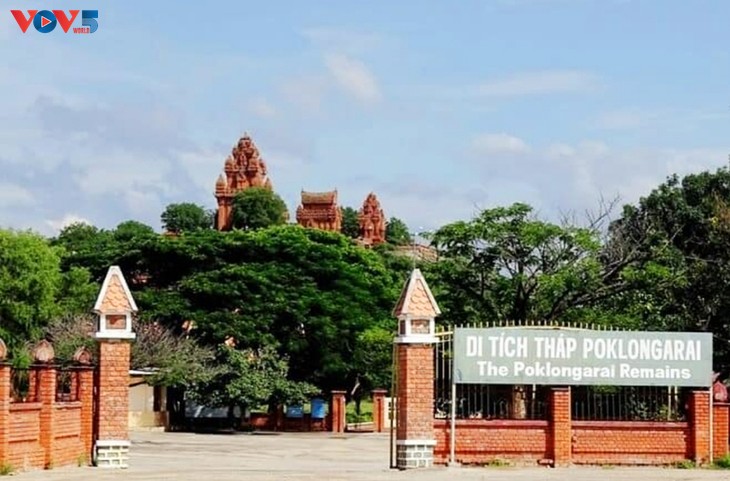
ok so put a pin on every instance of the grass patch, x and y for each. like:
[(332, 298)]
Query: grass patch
[(685, 464), (6, 469), (722, 463), (366, 412), (497, 463)]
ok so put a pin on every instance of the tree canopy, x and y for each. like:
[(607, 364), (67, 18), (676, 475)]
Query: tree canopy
[(396, 232), (30, 281), (258, 207), (186, 217), (350, 223)]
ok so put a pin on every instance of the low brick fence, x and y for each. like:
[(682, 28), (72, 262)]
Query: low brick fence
[(561, 441), (44, 432)]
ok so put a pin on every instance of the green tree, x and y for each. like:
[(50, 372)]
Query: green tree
[(350, 223), (373, 361), (251, 378), (29, 283), (77, 292), (396, 232), (683, 226), (258, 207), (306, 292), (175, 360), (186, 217), (507, 265), (131, 230)]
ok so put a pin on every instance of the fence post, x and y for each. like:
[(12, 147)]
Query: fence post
[(86, 397), (699, 411), (721, 431), (115, 307), (339, 412), (379, 410), (45, 375), (4, 406), (416, 312), (561, 425)]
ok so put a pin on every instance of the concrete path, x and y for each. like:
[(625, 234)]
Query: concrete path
[(321, 457)]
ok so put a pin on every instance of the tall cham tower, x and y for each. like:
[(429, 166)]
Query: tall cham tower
[(244, 168)]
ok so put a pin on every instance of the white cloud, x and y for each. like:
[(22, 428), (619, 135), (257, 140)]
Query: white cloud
[(499, 143), (12, 195), (262, 108), (626, 119), (342, 40), (540, 82), (305, 92), (59, 224), (354, 78)]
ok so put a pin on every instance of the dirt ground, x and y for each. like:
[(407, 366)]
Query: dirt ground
[(317, 456)]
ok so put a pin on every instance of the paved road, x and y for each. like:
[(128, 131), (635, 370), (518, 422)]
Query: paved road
[(321, 457)]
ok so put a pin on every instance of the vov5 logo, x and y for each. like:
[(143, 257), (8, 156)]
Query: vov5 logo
[(45, 21)]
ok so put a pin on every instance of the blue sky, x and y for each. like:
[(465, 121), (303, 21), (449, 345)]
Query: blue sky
[(441, 108)]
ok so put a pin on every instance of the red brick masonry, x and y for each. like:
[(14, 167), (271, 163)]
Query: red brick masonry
[(561, 441), (46, 433)]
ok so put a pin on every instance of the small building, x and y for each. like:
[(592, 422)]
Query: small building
[(147, 403), (319, 210)]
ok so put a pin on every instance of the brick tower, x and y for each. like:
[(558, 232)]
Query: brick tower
[(416, 312), (115, 307), (244, 168), (372, 221)]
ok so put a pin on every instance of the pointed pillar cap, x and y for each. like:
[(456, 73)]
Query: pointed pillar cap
[(416, 299), (115, 296)]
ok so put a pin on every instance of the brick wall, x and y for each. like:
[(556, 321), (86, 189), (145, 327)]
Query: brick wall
[(46, 433), (24, 437), (562, 441), (479, 440), (721, 429), (636, 442)]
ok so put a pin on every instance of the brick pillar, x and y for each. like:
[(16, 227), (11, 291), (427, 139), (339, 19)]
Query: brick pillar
[(379, 410), (115, 307), (339, 412), (699, 411), (416, 312), (46, 378), (112, 445), (86, 397), (414, 428), (4, 411), (721, 429), (560, 426)]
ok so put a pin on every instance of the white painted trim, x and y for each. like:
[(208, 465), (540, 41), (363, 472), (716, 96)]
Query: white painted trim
[(113, 443), (416, 339), (416, 442), (114, 271), (110, 335)]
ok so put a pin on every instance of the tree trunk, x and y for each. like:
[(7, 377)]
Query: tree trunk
[(519, 403)]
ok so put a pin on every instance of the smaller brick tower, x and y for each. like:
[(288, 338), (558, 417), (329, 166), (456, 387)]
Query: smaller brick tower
[(416, 312), (115, 307), (372, 221)]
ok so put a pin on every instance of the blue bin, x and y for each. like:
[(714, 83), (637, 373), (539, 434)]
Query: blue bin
[(319, 408)]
